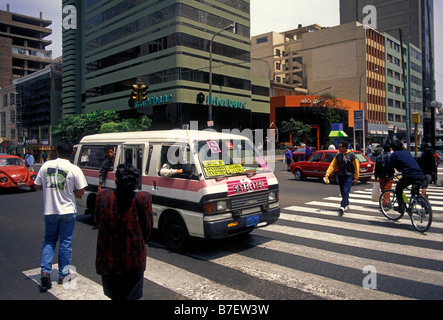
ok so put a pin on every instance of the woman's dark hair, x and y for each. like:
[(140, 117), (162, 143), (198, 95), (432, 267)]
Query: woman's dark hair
[(127, 177), (126, 180)]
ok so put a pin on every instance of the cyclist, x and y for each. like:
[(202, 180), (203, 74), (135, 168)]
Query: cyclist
[(403, 161)]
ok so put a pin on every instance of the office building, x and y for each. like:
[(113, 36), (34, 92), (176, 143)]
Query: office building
[(165, 45), (397, 114), (416, 20), (22, 45), (346, 61)]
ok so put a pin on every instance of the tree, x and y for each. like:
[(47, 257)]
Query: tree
[(75, 127), (330, 108), (297, 129)]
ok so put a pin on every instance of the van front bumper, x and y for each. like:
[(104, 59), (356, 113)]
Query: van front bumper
[(228, 227)]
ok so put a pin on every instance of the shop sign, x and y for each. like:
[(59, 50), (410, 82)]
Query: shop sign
[(229, 103), (309, 101), (155, 100)]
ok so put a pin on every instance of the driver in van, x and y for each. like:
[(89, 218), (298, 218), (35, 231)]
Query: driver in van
[(172, 166)]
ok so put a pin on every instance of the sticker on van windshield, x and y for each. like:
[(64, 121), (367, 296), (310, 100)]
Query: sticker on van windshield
[(246, 185), (215, 168)]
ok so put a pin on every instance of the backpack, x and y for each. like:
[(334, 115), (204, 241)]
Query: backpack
[(381, 166)]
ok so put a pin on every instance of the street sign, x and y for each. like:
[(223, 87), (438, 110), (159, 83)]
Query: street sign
[(210, 123), (358, 125), (358, 115)]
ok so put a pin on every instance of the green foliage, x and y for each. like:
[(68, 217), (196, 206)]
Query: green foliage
[(331, 109), (298, 129), (74, 127)]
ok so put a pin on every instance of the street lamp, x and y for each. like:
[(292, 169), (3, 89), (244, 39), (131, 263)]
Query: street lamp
[(364, 118), (234, 27)]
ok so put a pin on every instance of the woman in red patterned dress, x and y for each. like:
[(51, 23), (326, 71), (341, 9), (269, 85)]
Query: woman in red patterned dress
[(124, 220)]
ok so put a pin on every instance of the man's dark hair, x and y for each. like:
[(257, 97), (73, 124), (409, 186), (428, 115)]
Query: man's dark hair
[(108, 147), (387, 146), (64, 149), (397, 145)]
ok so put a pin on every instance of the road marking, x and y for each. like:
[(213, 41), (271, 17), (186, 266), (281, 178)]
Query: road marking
[(409, 250), (191, 285), (81, 288)]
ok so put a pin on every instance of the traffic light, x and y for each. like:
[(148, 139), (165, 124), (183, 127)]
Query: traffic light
[(142, 91), (200, 97), (134, 93)]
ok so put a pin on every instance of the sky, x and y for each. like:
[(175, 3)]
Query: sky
[(266, 16)]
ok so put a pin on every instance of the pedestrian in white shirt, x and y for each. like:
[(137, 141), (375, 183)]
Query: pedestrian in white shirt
[(60, 181)]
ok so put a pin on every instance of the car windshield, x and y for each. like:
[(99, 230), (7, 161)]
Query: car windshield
[(360, 157), (11, 162), (223, 158)]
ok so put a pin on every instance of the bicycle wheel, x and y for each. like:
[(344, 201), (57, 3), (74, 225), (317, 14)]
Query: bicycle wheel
[(421, 214), (387, 202)]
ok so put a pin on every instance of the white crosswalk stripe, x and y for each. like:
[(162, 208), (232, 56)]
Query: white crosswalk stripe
[(394, 251)]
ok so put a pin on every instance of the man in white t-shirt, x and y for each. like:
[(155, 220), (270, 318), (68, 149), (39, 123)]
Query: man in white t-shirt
[(61, 182)]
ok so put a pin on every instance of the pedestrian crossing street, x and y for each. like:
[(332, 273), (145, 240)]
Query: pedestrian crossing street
[(311, 251)]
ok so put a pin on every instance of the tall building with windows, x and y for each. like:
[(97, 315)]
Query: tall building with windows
[(22, 45), (166, 45), (395, 92), (347, 61), (416, 20)]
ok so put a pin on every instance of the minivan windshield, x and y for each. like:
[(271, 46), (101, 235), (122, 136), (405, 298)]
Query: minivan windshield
[(223, 158)]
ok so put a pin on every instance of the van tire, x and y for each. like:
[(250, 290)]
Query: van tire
[(174, 231)]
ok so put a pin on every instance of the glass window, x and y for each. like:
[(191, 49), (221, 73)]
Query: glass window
[(329, 157), (316, 157), (92, 156), (221, 158)]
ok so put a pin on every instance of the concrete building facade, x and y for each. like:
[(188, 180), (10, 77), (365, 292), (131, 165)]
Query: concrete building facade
[(22, 45), (166, 45)]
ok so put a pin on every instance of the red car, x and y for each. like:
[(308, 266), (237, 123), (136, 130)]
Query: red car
[(14, 174), (299, 154), (318, 164)]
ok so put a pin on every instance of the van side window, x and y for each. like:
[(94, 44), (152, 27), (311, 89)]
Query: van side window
[(92, 157), (174, 157), (149, 159)]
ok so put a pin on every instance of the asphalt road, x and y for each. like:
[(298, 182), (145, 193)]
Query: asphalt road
[(225, 268)]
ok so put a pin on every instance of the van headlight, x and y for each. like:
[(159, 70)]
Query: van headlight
[(273, 196), (216, 206), (222, 205)]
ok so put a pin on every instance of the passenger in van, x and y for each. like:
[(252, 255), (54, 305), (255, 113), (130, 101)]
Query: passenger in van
[(107, 165), (172, 166)]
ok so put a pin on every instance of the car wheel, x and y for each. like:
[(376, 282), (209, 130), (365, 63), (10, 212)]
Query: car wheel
[(298, 174)]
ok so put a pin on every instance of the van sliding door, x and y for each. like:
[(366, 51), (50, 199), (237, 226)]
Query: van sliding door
[(133, 154)]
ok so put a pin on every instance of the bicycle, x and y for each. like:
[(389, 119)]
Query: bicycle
[(419, 209)]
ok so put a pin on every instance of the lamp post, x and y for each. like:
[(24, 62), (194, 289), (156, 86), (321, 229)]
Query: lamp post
[(234, 26), (364, 118)]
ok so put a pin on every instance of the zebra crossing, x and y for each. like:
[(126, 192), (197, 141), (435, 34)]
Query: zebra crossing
[(327, 255)]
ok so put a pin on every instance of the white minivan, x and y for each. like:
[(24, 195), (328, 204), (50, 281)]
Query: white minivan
[(225, 186)]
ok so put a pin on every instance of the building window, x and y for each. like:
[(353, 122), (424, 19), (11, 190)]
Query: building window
[(12, 116), (262, 40)]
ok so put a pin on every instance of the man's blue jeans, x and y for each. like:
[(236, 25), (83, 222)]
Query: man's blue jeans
[(345, 183), (58, 228)]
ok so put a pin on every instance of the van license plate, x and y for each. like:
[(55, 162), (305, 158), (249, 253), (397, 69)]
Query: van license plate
[(252, 221)]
